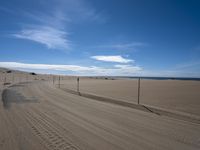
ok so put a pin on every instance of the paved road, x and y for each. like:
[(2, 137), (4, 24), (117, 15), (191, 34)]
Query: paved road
[(37, 116)]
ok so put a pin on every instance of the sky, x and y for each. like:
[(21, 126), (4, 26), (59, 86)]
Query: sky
[(101, 37)]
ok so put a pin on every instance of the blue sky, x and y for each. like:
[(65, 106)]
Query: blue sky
[(90, 37)]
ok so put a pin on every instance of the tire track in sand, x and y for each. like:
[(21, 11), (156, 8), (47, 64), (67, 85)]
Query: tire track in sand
[(50, 135)]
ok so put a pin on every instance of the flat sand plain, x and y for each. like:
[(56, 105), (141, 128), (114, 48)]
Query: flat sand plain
[(36, 115), (177, 95)]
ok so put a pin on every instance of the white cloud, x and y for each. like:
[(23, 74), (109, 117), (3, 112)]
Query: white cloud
[(188, 65), (123, 46), (126, 66), (169, 73), (49, 25), (81, 10), (117, 58), (116, 70), (55, 19), (126, 70), (63, 12), (126, 45), (51, 37)]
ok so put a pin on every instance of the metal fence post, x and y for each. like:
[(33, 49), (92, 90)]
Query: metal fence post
[(19, 77), (26, 77), (5, 78), (138, 90), (59, 81), (13, 78), (78, 84)]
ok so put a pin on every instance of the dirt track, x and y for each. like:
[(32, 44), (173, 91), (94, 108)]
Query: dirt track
[(37, 116)]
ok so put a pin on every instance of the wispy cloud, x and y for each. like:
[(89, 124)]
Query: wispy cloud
[(7, 10), (169, 73), (56, 18), (117, 58), (126, 70), (116, 70), (188, 65), (49, 26), (45, 66), (81, 10), (51, 37), (123, 46)]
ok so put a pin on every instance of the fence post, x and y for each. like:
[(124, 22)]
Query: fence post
[(59, 81), (13, 78), (5, 78), (26, 77), (138, 90), (78, 84), (19, 77)]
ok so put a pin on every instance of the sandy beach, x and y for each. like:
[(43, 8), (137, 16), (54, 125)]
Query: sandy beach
[(99, 75), (177, 95), (35, 114)]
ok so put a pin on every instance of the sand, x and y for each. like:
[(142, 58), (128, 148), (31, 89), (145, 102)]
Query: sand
[(36, 115), (175, 95)]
